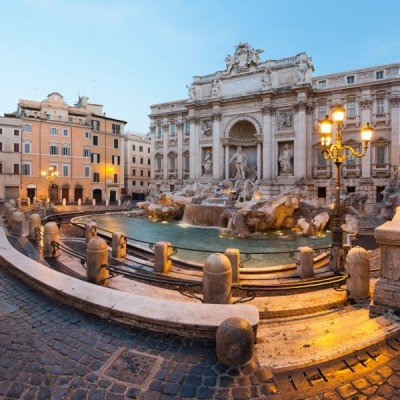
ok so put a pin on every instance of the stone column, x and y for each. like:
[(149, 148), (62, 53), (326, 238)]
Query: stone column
[(179, 126), (216, 144), (259, 164), (198, 151), (387, 288), (226, 161), (301, 141), (395, 122), (365, 105), (165, 127), (193, 148), (267, 143)]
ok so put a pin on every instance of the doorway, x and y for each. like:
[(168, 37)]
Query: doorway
[(78, 194), (65, 193), (113, 196), (53, 193), (31, 193), (97, 195)]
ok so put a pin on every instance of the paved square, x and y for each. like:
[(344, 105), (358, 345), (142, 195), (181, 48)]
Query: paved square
[(6, 307)]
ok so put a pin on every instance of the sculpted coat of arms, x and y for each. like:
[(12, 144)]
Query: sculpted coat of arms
[(244, 57)]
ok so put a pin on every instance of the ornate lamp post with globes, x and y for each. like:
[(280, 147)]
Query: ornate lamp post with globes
[(338, 154), (50, 175)]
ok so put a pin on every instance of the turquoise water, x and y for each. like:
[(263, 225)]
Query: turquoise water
[(210, 239)]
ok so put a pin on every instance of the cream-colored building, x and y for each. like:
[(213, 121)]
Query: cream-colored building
[(271, 110), (10, 157), (83, 145), (138, 159)]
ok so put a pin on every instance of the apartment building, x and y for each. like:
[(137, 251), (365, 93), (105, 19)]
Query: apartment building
[(70, 152), (10, 157), (138, 159)]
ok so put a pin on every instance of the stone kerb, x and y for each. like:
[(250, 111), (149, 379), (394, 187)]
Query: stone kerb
[(387, 288), (161, 315), (217, 279)]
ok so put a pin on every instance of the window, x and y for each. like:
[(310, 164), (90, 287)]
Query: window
[(16, 169), (26, 169), (351, 109), (1, 131), (116, 143), (86, 152), (186, 163), (65, 132), (95, 157), (134, 159), (321, 112), (320, 158), (115, 178), (351, 160), (65, 151), (141, 160), (380, 155), (16, 132), (148, 161), (16, 147), (133, 147), (133, 172), (134, 183), (380, 106), (87, 135), (116, 128), (86, 171), (172, 163), (379, 75), (95, 140), (187, 128), (95, 125), (158, 163), (350, 79), (379, 193), (27, 146), (351, 189), (322, 192), (148, 150), (53, 131), (141, 172), (116, 160), (141, 183), (96, 177), (27, 128), (322, 84), (148, 174), (140, 148), (158, 131), (1, 167), (53, 149), (172, 129), (65, 170), (1, 146)]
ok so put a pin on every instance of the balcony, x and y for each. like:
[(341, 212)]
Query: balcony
[(351, 120), (172, 174), (381, 119), (185, 174), (380, 170), (158, 174), (351, 170), (322, 171)]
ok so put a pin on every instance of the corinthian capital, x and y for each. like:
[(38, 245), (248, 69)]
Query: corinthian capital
[(268, 110)]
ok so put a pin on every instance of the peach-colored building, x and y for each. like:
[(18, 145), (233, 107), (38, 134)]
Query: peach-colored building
[(79, 142)]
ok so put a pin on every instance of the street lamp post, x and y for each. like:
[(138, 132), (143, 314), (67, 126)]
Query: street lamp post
[(50, 175), (338, 154)]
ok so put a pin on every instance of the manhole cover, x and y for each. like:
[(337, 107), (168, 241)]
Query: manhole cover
[(132, 367), (6, 307)]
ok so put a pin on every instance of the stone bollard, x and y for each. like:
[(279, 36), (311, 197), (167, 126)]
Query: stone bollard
[(19, 202), (387, 287), (34, 223), (7, 205), (118, 245), (305, 268), (90, 230), (79, 202), (119, 202), (235, 342), (17, 223), (107, 201), (50, 235), (162, 257), (64, 202), (234, 258), (97, 260), (217, 279), (94, 202), (357, 266), (13, 203), (28, 201), (10, 213)]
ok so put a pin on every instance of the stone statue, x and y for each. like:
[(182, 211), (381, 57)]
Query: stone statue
[(257, 195), (247, 188), (240, 161), (231, 62), (206, 128), (215, 89), (266, 79), (285, 160), (192, 92), (285, 120), (207, 190), (207, 163), (301, 73)]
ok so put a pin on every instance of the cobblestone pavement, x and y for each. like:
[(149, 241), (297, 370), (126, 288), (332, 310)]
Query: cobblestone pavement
[(50, 351)]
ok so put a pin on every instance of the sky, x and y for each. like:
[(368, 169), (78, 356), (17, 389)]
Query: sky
[(128, 54)]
